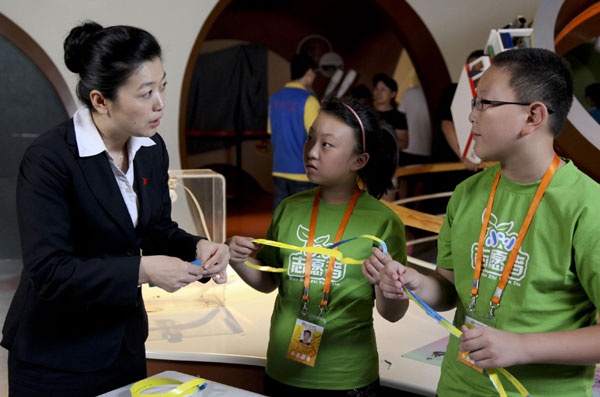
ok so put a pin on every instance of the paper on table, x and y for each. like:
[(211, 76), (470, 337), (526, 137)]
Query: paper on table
[(432, 353)]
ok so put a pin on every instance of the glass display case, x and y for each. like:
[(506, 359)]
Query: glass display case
[(198, 201)]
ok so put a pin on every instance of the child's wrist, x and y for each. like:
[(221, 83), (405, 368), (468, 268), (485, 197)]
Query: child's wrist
[(526, 343), (235, 264)]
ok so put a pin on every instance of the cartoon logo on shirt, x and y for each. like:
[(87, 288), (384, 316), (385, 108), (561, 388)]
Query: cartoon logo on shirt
[(297, 261), (498, 243)]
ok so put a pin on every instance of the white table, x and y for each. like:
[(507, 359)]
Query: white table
[(230, 324), (213, 389)]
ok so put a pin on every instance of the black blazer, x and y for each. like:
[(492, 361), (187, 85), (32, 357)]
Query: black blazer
[(78, 299)]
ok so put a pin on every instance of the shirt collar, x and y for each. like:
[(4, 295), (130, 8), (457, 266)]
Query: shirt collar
[(295, 85), (89, 142)]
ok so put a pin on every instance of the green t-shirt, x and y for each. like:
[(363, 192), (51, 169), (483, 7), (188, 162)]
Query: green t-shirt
[(555, 282), (347, 356)]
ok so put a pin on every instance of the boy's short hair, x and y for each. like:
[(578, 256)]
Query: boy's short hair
[(301, 63), (361, 91), (541, 75)]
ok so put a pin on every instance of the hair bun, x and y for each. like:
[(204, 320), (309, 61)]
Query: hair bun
[(74, 43)]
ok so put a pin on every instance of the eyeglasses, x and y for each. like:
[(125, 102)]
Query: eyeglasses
[(477, 103)]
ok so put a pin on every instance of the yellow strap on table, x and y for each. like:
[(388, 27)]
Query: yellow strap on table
[(184, 388)]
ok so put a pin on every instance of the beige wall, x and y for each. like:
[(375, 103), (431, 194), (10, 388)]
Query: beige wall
[(460, 26), (175, 24)]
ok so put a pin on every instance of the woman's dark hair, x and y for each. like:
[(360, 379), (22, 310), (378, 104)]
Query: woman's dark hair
[(381, 146), (104, 58), (389, 83)]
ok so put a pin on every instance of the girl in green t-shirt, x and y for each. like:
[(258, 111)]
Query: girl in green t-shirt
[(345, 149)]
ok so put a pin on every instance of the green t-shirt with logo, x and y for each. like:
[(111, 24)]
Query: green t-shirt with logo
[(555, 282), (347, 356)]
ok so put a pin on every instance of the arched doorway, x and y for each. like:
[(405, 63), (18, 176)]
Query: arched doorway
[(563, 26), (408, 27)]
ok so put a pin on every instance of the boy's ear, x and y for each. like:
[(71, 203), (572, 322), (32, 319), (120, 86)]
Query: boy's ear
[(538, 117), (360, 161)]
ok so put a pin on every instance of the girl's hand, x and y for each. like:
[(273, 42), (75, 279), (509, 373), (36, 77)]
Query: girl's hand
[(220, 278), (394, 276), (492, 348), (214, 257), (372, 266), (241, 248)]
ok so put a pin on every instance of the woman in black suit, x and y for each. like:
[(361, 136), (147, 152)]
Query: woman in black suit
[(92, 196)]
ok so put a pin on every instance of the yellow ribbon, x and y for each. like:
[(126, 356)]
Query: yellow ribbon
[(184, 388), (315, 250)]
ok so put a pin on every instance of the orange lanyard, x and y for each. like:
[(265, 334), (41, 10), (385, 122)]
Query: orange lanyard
[(515, 250), (310, 242)]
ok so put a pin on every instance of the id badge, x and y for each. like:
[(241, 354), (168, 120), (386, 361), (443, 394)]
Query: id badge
[(473, 321), (306, 339)]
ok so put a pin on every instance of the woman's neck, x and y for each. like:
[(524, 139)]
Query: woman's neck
[(383, 107), (113, 141), (338, 194)]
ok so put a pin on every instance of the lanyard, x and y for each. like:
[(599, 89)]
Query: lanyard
[(515, 250), (310, 241)]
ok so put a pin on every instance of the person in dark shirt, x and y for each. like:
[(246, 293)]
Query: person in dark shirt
[(384, 101)]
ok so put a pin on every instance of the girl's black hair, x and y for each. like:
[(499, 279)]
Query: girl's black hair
[(104, 58), (381, 145)]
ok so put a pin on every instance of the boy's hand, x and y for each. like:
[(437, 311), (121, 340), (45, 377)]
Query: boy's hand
[(394, 276), (373, 265), (492, 348), (241, 248)]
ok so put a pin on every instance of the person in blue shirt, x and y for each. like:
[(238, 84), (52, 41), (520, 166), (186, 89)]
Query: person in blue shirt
[(292, 111)]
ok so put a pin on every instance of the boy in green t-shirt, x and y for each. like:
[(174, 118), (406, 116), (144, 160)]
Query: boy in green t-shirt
[(517, 257)]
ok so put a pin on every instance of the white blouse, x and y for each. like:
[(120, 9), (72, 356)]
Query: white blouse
[(90, 143)]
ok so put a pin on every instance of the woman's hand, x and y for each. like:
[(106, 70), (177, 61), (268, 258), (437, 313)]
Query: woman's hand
[(167, 272), (214, 258), (241, 248)]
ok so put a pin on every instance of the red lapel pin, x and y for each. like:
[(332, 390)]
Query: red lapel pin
[(145, 181)]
